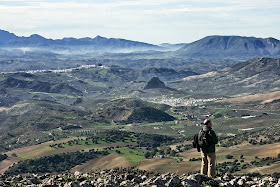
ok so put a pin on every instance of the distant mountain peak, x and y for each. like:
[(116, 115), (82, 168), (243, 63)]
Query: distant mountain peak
[(36, 36), (232, 46), (6, 36), (100, 37)]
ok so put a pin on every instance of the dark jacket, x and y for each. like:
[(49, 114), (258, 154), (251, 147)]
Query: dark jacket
[(214, 140)]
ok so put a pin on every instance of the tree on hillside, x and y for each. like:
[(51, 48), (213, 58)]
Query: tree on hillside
[(167, 150), (173, 152), (147, 154)]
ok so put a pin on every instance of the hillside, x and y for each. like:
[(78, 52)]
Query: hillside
[(24, 121), (153, 83), (165, 74), (132, 111), (257, 75), (266, 98), (69, 85), (39, 86), (232, 46)]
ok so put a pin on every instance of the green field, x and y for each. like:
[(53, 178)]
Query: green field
[(177, 116), (178, 126), (134, 155), (97, 84), (157, 123), (55, 95), (221, 111), (70, 117)]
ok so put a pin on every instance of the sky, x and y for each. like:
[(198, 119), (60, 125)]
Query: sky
[(151, 21)]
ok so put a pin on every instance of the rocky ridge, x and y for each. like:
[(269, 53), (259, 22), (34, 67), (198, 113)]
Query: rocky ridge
[(129, 177)]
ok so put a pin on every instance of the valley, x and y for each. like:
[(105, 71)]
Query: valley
[(238, 136), (103, 107)]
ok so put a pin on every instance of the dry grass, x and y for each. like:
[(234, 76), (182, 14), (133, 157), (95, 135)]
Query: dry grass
[(268, 150), (168, 165), (266, 169), (249, 152), (250, 124), (106, 162), (3, 108), (41, 150), (5, 164), (263, 98)]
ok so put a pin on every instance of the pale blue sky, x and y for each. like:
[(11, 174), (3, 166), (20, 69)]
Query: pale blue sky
[(152, 21)]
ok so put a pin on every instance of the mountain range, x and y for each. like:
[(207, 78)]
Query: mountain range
[(208, 47), (8, 39)]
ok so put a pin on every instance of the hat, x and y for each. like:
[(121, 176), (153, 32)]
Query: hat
[(207, 121)]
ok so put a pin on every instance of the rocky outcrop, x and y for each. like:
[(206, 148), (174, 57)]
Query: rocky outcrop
[(127, 177), (154, 83)]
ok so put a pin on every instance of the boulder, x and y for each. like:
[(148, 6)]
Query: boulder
[(173, 182)]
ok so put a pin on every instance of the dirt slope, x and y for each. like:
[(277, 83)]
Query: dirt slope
[(263, 98), (106, 162)]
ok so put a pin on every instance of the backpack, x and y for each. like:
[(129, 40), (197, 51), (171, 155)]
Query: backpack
[(203, 139), (195, 142)]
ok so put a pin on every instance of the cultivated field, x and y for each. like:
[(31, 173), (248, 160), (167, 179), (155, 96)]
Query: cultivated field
[(172, 164), (102, 163)]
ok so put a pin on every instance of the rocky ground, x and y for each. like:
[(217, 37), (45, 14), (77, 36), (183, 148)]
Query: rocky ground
[(126, 177)]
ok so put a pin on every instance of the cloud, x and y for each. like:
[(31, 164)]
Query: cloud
[(152, 21), (221, 7)]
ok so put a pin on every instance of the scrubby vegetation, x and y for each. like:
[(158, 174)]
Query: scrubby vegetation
[(236, 165), (112, 136), (128, 144), (3, 157), (265, 161), (264, 136), (53, 163)]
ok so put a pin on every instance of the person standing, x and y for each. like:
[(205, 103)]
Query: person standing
[(208, 153)]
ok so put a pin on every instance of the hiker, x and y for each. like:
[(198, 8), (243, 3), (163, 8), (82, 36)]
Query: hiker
[(208, 153)]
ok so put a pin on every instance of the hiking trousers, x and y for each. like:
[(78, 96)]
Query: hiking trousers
[(208, 164)]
